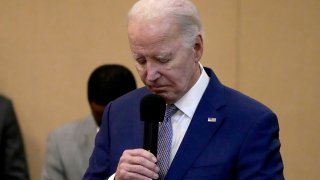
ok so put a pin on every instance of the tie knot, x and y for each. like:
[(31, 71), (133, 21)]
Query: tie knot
[(170, 110)]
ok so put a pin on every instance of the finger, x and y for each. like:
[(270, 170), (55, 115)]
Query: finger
[(143, 171), (141, 161), (129, 171), (129, 176), (138, 160), (142, 152)]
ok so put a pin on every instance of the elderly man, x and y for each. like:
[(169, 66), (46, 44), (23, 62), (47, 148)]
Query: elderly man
[(215, 132)]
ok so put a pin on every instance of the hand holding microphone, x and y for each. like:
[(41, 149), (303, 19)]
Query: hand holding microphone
[(141, 163), (137, 164)]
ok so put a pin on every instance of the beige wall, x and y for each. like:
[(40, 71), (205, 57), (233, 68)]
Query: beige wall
[(266, 49), (279, 63)]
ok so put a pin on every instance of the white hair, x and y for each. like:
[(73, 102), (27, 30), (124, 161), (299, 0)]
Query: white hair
[(184, 13)]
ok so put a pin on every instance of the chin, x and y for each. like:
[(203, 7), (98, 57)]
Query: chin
[(168, 98), (162, 94)]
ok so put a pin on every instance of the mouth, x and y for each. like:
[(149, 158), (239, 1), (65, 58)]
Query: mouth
[(157, 89)]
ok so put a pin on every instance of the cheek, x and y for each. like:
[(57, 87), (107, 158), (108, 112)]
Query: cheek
[(141, 71), (183, 73), (175, 75)]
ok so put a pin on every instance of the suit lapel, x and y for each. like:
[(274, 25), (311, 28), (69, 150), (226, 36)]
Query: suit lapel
[(200, 131)]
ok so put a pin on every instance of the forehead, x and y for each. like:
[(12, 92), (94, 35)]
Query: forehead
[(157, 34)]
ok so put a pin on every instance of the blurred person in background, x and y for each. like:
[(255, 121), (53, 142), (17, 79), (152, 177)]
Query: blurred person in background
[(13, 163), (70, 146)]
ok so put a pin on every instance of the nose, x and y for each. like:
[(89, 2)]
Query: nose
[(152, 71)]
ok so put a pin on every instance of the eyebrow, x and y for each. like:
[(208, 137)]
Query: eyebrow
[(135, 56), (164, 56), (160, 56)]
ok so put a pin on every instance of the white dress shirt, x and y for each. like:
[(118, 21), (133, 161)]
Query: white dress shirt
[(187, 106)]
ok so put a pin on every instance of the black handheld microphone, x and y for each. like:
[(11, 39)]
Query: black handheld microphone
[(152, 110)]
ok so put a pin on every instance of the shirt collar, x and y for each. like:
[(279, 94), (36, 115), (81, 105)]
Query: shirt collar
[(189, 102)]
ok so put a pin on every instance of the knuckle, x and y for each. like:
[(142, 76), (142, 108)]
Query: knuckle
[(140, 160)]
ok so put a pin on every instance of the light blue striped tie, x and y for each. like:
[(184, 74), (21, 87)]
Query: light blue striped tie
[(165, 141)]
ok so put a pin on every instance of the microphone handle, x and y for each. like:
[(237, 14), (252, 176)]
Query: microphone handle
[(151, 137)]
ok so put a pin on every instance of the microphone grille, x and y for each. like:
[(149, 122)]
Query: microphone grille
[(152, 108)]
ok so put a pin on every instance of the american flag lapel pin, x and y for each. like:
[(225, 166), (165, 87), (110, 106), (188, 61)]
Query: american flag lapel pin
[(212, 120)]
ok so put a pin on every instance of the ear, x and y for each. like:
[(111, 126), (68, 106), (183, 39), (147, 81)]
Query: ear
[(198, 48)]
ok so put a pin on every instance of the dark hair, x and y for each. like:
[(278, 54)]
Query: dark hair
[(108, 82)]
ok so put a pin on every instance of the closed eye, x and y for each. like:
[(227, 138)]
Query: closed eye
[(163, 60), (141, 60)]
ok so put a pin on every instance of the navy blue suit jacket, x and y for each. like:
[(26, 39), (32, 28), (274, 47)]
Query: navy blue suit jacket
[(243, 143)]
